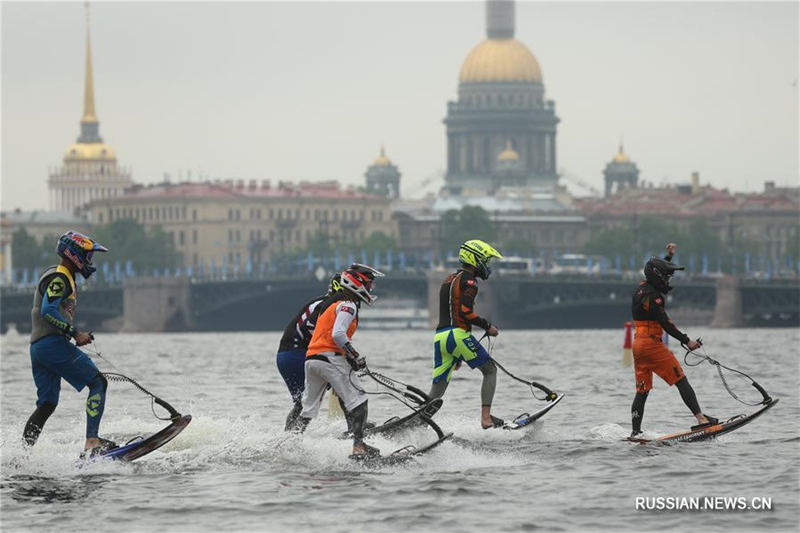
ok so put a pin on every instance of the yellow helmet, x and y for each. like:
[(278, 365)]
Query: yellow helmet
[(477, 254)]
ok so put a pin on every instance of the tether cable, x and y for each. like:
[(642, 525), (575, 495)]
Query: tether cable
[(120, 377), (705, 357), (549, 394)]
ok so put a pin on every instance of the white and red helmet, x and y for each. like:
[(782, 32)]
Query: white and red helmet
[(359, 279)]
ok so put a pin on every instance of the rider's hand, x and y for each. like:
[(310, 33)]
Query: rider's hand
[(458, 364), (355, 359), (492, 331), (693, 345), (82, 339)]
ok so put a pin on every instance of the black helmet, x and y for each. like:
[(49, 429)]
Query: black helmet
[(658, 272)]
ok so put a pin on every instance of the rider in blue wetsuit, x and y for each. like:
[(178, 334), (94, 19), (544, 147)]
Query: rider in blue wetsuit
[(291, 358), (53, 356)]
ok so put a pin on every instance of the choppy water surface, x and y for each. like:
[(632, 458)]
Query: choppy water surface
[(235, 469)]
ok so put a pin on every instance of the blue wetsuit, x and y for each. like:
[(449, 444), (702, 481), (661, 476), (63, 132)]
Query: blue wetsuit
[(291, 357), (54, 357)]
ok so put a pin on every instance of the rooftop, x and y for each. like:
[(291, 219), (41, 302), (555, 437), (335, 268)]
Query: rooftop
[(681, 201), (244, 189)]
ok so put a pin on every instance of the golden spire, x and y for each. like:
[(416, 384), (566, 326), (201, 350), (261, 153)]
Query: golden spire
[(382, 160), (88, 95), (621, 156)]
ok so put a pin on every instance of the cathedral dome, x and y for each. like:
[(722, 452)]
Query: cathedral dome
[(508, 154), (382, 160), (500, 60), (621, 156), (89, 151)]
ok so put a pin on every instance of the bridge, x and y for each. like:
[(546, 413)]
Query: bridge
[(259, 304)]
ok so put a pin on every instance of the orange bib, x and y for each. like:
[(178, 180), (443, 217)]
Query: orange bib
[(322, 339)]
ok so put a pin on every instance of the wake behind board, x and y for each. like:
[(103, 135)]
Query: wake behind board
[(142, 447), (709, 432), (526, 419), (400, 456)]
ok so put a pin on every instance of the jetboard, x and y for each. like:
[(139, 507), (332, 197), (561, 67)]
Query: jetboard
[(405, 453), (141, 447), (392, 425), (402, 455), (708, 432), (525, 419)]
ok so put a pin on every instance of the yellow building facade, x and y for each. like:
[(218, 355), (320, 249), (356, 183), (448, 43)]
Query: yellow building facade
[(233, 222)]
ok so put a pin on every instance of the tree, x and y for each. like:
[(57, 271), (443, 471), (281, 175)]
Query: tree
[(649, 235), (379, 242), (516, 245), (458, 226), (27, 253), (127, 240)]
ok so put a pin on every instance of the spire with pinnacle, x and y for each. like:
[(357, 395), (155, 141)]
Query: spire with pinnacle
[(90, 127)]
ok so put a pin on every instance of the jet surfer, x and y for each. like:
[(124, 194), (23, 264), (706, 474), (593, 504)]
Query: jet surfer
[(53, 356), (650, 354), (453, 342), (331, 358), (291, 357)]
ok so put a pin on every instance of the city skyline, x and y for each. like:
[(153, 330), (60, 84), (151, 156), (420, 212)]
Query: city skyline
[(221, 89)]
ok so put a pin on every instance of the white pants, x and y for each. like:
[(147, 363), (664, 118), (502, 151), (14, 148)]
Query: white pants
[(341, 377)]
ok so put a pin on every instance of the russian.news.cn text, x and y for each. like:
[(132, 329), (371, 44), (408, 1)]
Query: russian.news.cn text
[(703, 503)]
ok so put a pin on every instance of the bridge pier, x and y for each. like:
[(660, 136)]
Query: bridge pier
[(156, 305), (728, 308)]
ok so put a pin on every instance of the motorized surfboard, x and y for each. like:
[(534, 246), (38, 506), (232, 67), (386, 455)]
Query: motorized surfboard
[(708, 432), (140, 446), (396, 423), (525, 419)]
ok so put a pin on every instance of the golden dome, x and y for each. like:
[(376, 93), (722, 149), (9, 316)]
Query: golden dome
[(508, 154), (382, 160), (500, 60), (621, 157), (94, 151)]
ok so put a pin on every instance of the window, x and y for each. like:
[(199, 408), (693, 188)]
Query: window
[(181, 238), (194, 214), (194, 236)]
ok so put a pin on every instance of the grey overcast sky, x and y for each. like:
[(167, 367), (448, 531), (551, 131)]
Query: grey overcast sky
[(291, 91)]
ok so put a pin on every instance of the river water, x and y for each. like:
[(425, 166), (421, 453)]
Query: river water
[(234, 469)]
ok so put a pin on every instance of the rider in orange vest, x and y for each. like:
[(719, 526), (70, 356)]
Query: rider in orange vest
[(331, 358), (649, 352)]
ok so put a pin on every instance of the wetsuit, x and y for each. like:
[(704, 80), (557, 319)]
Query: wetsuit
[(291, 356), (53, 356), (650, 354), (453, 341)]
